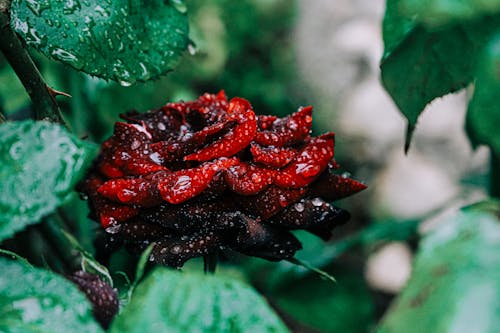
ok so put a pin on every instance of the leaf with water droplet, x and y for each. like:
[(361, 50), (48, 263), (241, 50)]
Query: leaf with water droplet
[(456, 264), (432, 54), (125, 41), (40, 163), (171, 301), (36, 300)]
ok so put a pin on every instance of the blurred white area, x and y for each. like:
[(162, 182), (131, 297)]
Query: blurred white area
[(388, 268), (339, 44)]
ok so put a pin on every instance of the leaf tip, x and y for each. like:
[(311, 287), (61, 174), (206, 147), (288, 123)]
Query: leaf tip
[(409, 136)]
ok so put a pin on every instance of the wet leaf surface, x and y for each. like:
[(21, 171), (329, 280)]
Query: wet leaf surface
[(442, 60), (125, 41), (40, 163), (172, 301), (36, 300), (455, 282)]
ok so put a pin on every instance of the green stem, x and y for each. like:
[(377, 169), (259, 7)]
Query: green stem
[(210, 263), (51, 231), (495, 174), (2, 118), (44, 103)]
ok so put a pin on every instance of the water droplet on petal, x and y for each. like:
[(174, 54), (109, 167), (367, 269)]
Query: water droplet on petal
[(299, 207), (175, 249), (317, 202), (113, 228)]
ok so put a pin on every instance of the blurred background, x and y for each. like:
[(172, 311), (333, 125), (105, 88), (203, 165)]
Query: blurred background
[(280, 55)]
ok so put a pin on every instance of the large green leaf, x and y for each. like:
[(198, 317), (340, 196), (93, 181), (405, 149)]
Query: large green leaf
[(434, 13), (420, 64), (171, 301), (346, 306), (483, 116), (40, 163), (122, 40), (35, 300), (456, 279)]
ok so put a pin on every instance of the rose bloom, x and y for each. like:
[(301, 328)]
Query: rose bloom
[(198, 177)]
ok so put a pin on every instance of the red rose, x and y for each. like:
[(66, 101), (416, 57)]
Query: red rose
[(195, 177)]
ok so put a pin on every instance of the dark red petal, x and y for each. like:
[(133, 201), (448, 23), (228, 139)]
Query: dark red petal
[(131, 134), (265, 122), (175, 252), (111, 214), (275, 157), (109, 170), (265, 241), (235, 140), (192, 216), (310, 213), (139, 167), (307, 166), (136, 230), (135, 191), (248, 179), (330, 186), (287, 131), (162, 123), (183, 185), (270, 201)]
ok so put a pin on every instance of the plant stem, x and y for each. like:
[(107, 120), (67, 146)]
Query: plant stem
[(2, 118), (495, 174), (210, 263), (50, 229), (44, 104)]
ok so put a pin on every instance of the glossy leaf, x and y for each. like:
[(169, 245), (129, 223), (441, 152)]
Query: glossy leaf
[(172, 301), (420, 65), (435, 13), (483, 116), (40, 163), (456, 278), (36, 300), (121, 40)]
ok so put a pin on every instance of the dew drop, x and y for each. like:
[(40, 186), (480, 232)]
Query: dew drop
[(192, 49), (70, 6), (180, 5), (317, 202), (114, 228), (345, 175), (15, 150), (155, 157), (299, 207), (175, 249), (135, 144), (256, 178), (124, 83)]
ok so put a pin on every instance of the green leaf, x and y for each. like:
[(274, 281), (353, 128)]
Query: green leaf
[(40, 163), (483, 116), (172, 301), (346, 306), (36, 300), (122, 40), (420, 65), (456, 278), (434, 13)]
